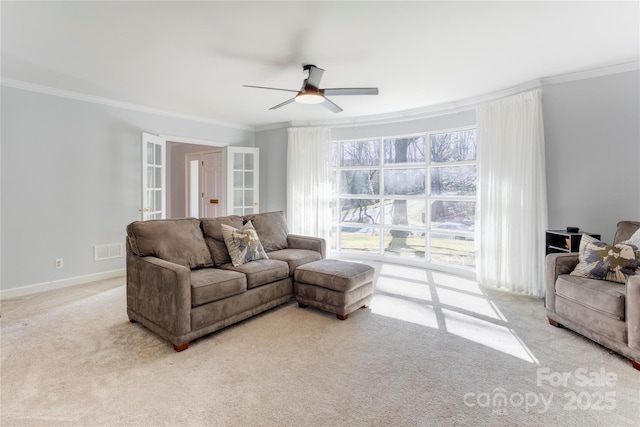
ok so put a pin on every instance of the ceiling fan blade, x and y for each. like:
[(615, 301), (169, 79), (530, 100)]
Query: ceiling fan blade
[(282, 104), (331, 106), (270, 88), (350, 91), (315, 74)]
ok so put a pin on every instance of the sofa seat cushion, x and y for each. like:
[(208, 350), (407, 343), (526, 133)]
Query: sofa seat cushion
[(605, 297), (213, 284), (175, 240), (261, 272), (295, 257)]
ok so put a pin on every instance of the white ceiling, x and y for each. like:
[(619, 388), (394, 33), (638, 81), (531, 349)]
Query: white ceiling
[(193, 57)]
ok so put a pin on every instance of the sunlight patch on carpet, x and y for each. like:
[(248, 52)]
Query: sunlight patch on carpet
[(489, 334), (405, 310), (403, 287)]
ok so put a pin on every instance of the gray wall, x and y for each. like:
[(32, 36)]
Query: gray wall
[(71, 180), (592, 136), (273, 169)]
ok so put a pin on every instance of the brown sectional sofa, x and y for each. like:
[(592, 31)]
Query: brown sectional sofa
[(182, 285), (605, 312)]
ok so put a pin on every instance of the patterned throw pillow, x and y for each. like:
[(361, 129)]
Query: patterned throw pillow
[(635, 241), (243, 244), (597, 260)]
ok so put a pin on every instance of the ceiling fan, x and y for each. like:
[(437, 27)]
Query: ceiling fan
[(310, 93)]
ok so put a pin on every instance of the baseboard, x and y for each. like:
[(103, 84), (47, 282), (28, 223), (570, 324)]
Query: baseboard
[(58, 284)]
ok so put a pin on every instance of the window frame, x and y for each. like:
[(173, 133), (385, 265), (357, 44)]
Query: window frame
[(427, 198)]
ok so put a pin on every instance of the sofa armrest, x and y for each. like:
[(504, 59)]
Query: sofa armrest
[(556, 264), (160, 291), (632, 311), (317, 244)]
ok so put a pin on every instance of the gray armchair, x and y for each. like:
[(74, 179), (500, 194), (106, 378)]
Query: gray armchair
[(605, 312)]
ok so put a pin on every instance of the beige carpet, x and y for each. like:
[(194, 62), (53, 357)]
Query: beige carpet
[(432, 350)]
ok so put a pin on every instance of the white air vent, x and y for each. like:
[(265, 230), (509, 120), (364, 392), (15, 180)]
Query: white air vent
[(102, 252)]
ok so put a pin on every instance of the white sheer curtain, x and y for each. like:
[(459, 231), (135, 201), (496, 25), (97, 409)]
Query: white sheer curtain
[(512, 194), (309, 182)]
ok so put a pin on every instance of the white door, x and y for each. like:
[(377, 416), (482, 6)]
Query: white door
[(213, 185), (242, 180), (154, 195)]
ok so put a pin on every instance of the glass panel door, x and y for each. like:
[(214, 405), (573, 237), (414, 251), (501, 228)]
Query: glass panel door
[(153, 177), (242, 180)]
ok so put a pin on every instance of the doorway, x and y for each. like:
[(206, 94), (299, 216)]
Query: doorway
[(205, 192)]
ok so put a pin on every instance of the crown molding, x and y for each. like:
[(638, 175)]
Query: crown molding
[(589, 74), (399, 116), (47, 90)]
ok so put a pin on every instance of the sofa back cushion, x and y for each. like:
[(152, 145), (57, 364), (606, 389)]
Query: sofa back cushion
[(271, 228), (175, 240), (212, 228), (625, 230)]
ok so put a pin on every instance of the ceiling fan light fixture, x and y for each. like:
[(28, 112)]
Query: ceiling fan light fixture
[(309, 98)]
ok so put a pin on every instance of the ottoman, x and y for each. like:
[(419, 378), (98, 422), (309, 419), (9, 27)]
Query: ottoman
[(339, 287)]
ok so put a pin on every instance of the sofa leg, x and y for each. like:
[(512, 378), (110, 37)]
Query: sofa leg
[(342, 316), (554, 323), (132, 320), (635, 364), (181, 347), (301, 305)]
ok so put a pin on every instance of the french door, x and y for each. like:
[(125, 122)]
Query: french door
[(154, 194), (242, 180)]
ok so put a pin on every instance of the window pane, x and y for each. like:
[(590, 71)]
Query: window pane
[(150, 153), (248, 179), (453, 181), (248, 197), (360, 182), (158, 199), (158, 155), (454, 250), (453, 216), (151, 201), (453, 146), (237, 198), (408, 244), (404, 212), (361, 153), (248, 161), (404, 150), (237, 161), (237, 179), (158, 178), (403, 181), (360, 239), (151, 183), (238, 211), (360, 210)]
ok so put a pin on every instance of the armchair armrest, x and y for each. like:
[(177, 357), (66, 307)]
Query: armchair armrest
[(317, 244), (556, 264), (160, 291), (632, 311)]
